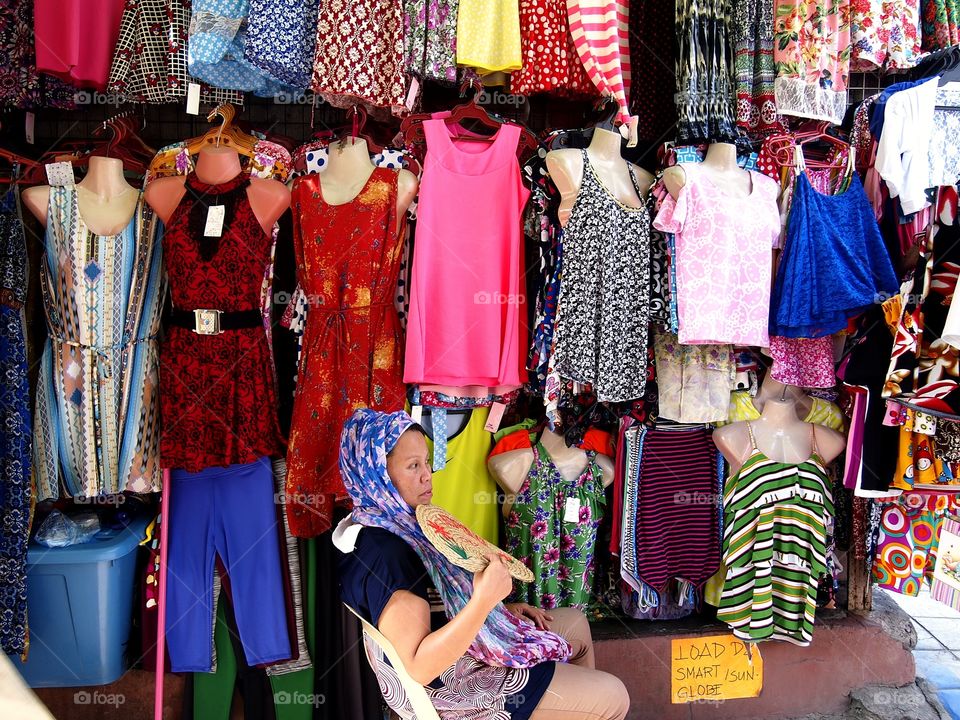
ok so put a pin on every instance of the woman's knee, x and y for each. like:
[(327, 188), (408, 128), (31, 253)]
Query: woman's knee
[(615, 692)]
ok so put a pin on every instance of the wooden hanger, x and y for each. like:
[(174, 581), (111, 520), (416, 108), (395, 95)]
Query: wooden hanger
[(227, 135)]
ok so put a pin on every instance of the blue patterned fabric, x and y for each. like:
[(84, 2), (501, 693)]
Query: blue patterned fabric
[(280, 39), (15, 439), (218, 35), (504, 640)]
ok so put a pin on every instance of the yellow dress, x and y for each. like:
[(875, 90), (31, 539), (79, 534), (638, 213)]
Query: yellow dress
[(488, 35), (465, 487)]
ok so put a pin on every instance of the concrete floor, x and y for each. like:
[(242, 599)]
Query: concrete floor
[(937, 653)]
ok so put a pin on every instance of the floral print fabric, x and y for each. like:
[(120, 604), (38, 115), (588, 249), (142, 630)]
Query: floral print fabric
[(359, 56), (550, 60), (430, 38), (21, 85), (885, 34), (812, 57), (560, 552), (940, 24), (754, 65)]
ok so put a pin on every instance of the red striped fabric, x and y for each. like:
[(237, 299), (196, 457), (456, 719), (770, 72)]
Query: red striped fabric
[(600, 34)]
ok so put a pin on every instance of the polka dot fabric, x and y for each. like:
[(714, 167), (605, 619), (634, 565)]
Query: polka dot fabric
[(550, 60)]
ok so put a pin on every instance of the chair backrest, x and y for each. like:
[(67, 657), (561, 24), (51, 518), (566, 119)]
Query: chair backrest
[(417, 698)]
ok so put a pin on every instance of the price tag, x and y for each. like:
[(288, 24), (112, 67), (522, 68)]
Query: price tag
[(416, 413), (495, 416), (193, 99), (59, 174), (412, 94), (31, 121), (214, 226), (571, 512)]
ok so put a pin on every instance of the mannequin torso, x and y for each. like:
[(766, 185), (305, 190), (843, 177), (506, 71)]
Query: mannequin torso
[(566, 170), (349, 168), (217, 165), (510, 469), (780, 435), (773, 389), (720, 165), (105, 199)]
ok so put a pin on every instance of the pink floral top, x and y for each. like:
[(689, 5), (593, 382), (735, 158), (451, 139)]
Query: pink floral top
[(723, 258), (811, 52)]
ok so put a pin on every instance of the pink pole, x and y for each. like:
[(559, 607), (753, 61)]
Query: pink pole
[(162, 603)]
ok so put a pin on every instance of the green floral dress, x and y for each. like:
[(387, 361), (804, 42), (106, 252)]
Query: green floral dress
[(559, 552)]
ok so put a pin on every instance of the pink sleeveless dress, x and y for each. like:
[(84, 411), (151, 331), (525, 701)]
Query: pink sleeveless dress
[(467, 306)]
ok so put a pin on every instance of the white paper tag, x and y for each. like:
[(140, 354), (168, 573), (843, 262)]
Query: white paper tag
[(60, 174), (416, 412), (412, 94), (193, 99), (571, 512), (214, 226), (30, 123)]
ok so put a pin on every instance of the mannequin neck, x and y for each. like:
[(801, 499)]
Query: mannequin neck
[(105, 178), (605, 144), (722, 157), (779, 413), (556, 446), (348, 158), (776, 390), (217, 165)]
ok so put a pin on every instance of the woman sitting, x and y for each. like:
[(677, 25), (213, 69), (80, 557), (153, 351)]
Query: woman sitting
[(487, 661)]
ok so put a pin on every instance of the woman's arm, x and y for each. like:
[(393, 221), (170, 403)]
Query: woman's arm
[(405, 622)]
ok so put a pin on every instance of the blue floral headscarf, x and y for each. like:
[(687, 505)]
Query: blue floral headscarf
[(504, 640)]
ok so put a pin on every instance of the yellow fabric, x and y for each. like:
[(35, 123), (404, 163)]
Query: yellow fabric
[(488, 35), (917, 463), (464, 487), (822, 412), (714, 587)]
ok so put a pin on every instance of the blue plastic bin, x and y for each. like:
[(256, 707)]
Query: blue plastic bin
[(79, 605)]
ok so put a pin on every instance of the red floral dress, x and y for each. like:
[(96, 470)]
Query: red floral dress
[(218, 397), (348, 259)]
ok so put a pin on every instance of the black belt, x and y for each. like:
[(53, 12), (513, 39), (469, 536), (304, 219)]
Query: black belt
[(214, 322)]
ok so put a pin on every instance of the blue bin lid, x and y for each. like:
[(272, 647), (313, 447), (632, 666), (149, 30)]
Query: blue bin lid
[(108, 544)]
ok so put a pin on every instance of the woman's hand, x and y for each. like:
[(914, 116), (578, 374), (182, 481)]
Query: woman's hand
[(493, 583), (535, 615)]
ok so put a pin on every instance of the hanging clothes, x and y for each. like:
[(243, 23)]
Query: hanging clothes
[(15, 441), (884, 34), (550, 60), (604, 301), (724, 247), (653, 52), (705, 72), (940, 24), (541, 532), (21, 85), (488, 35), (774, 546), (150, 59), (601, 34), (216, 50), (753, 23), (467, 263), (218, 392), (695, 380), (281, 39), (96, 416), (352, 342), (822, 412), (812, 64), (834, 264), (430, 39), (75, 38), (464, 486), (360, 54)]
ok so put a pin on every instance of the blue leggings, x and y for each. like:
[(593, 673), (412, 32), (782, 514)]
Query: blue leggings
[(230, 512)]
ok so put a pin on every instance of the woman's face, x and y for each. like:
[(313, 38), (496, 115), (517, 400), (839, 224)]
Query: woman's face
[(408, 465)]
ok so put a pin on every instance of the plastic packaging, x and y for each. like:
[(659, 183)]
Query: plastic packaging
[(59, 530)]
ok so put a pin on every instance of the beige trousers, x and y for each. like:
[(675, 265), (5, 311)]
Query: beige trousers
[(578, 691)]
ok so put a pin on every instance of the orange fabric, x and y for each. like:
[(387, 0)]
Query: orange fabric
[(597, 440)]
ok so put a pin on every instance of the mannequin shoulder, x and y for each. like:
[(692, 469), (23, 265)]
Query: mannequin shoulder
[(565, 167), (674, 178), (733, 442), (406, 186), (830, 443), (36, 200), (268, 200), (644, 178), (268, 188)]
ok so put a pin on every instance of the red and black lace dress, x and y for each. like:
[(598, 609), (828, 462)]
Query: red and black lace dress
[(218, 397)]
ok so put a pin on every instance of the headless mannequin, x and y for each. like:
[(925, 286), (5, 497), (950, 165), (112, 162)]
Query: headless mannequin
[(349, 168), (774, 389), (104, 197), (721, 167), (780, 435), (510, 469), (217, 165), (566, 170)]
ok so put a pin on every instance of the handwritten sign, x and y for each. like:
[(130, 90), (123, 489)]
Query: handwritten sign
[(715, 667)]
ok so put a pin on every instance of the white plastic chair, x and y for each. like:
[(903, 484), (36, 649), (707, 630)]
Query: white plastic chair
[(416, 704)]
